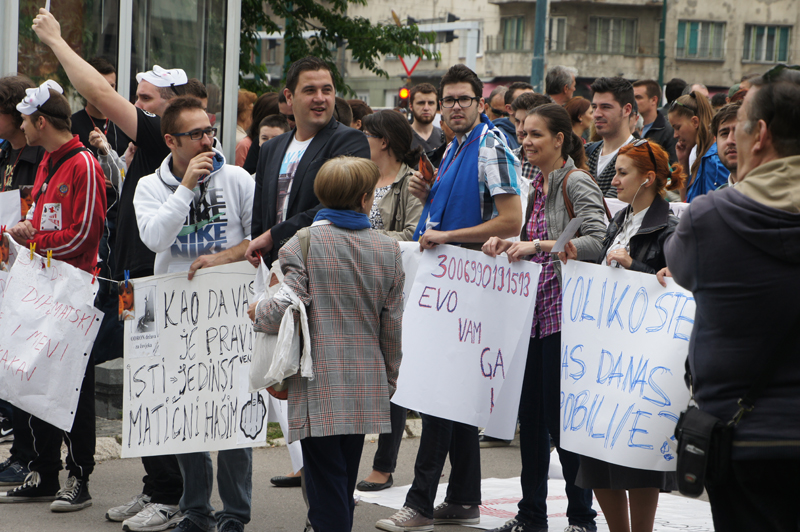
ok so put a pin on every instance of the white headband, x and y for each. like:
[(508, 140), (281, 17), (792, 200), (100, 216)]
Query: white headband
[(161, 77), (35, 98)]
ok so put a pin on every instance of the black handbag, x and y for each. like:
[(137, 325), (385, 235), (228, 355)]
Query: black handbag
[(705, 441)]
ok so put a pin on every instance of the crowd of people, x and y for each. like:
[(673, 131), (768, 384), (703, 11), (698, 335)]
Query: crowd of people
[(327, 187)]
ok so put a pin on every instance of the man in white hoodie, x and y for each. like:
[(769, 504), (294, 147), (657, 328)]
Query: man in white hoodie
[(195, 212)]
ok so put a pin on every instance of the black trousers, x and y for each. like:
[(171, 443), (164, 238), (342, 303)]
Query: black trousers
[(441, 437), (385, 459), (756, 495), (80, 439), (22, 446), (330, 473), (163, 481)]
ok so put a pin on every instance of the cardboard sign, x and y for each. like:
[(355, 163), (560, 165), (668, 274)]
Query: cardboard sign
[(624, 342), (466, 323), (48, 325), (187, 353)]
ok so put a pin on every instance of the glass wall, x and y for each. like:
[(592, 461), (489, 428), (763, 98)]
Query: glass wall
[(89, 26), (187, 34)]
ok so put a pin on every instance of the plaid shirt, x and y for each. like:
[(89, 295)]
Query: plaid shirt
[(498, 170), (547, 313), (529, 171)]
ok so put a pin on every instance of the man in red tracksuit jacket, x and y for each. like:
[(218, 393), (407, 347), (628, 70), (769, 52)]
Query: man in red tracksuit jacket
[(68, 217)]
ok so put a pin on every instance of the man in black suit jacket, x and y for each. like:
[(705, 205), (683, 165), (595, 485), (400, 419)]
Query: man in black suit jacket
[(284, 200)]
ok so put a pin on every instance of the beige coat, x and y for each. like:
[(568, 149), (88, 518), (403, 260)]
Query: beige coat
[(400, 210)]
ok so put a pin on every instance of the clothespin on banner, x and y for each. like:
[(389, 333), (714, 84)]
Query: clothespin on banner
[(33, 249), (127, 277), (2, 229), (257, 253), (49, 256), (95, 273)]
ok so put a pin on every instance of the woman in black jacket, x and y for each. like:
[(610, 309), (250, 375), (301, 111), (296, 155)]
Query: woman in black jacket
[(634, 240)]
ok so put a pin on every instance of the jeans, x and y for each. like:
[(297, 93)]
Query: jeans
[(80, 439), (330, 472), (440, 436), (234, 483), (385, 459), (539, 413), (756, 495), (163, 481)]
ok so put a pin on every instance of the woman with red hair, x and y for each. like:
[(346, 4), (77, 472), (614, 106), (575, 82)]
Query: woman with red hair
[(635, 241)]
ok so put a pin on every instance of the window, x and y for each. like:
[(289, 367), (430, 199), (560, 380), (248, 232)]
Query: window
[(513, 33), (766, 44), (557, 34), (612, 35), (363, 96), (269, 51), (701, 40)]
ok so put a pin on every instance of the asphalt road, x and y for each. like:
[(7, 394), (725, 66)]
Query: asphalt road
[(274, 509)]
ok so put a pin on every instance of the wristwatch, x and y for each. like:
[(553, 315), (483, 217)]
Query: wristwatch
[(537, 245)]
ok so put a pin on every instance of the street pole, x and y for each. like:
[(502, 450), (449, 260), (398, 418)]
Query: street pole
[(662, 36), (539, 33)]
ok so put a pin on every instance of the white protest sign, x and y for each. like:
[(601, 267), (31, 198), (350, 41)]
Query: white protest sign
[(411, 254), (467, 320), (187, 354), (48, 324), (624, 342), (10, 208)]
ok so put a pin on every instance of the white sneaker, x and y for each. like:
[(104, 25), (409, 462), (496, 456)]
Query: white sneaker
[(129, 509), (153, 518)]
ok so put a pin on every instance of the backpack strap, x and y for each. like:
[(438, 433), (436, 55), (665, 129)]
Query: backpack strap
[(69, 155), (568, 202), (304, 235)]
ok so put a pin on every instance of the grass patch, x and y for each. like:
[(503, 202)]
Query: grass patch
[(274, 431)]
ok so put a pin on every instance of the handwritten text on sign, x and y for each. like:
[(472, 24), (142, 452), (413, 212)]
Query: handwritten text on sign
[(466, 317), (186, 360), (48, 324), (624, 342)]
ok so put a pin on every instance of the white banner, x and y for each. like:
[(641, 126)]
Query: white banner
[(48, 325), (624, 343), (466, 323), (187, 352), (10, 208)]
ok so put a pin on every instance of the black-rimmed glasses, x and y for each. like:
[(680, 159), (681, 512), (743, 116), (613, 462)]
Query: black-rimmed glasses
[(463, 102), (639, 142), (197, 134)]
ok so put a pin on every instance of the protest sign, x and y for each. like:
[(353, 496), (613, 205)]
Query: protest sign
[(467, 321), (624, 341), (48, 324), (411, 254), (187, 354)]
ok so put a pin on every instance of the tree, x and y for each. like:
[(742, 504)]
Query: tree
[(366, 41)]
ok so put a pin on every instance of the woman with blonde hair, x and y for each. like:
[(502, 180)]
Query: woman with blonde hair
[(351, 281)]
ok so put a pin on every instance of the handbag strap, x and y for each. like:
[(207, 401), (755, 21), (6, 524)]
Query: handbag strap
[(304, 236), (781, 353)]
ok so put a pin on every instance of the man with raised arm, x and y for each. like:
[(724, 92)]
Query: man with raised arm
[(163, 484)]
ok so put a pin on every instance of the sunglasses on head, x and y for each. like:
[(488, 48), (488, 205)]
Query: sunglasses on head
[(676, 103), (640, 142)]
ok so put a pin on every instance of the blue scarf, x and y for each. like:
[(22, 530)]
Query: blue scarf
[(454, 200), (345, 219)]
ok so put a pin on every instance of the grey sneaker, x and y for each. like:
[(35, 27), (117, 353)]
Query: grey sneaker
[(154, 517), (406, 520), (576, 528), (456, 514), (129, 509)]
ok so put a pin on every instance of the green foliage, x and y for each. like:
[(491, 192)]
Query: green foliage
[(366, 41)]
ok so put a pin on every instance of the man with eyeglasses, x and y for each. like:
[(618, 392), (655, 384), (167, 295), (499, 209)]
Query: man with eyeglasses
[(162, 483), (478, 166), (195, 212)]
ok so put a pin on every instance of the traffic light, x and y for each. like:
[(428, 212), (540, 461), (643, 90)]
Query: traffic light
[(403, 95)]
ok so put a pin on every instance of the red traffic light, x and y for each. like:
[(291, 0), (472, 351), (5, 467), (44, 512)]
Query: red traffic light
[(404, 93)]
